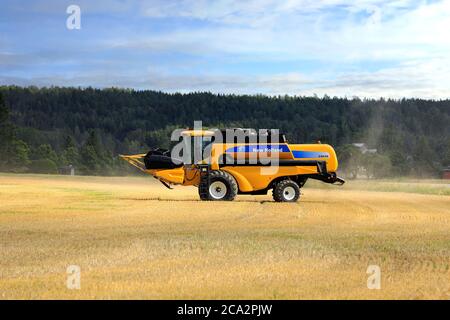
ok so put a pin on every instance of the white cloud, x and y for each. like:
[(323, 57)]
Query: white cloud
[(369, 30), (276, 84), (421, 79), (369, 48), (412, 36)]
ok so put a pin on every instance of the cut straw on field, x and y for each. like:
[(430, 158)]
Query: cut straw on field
[(133, 238)]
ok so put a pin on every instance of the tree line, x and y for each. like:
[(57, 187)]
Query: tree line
[(42, 129)]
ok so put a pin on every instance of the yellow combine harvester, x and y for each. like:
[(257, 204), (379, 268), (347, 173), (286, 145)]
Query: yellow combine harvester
[(250, 166)]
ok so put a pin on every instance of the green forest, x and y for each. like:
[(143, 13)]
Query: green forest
[(43, 129)]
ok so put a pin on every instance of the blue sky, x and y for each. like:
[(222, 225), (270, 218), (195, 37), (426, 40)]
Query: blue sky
[(367, 48)]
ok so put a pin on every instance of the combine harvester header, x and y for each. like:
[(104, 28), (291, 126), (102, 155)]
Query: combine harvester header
[(247, 163)]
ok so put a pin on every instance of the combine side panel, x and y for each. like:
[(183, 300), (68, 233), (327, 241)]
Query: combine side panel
[(318, 152)]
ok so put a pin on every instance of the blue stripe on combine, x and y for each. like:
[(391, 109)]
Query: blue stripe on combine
[(260, 148), (310, 154)]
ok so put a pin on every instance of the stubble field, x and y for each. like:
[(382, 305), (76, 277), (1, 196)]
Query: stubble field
[(133, 238)]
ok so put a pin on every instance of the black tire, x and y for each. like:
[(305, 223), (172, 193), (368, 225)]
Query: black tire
[(203, 196), (286, 191), (220, 180)]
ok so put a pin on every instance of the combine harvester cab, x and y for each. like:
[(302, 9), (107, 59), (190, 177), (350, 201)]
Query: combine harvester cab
[(249, 167)]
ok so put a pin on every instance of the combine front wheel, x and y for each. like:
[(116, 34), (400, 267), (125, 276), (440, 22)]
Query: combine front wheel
[(286, 191), (222, 186)]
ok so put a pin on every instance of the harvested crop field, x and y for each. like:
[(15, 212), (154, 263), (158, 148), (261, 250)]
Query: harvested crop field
[(133, 238)]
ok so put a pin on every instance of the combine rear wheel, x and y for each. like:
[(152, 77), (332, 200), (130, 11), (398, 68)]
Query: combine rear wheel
[(286, 191), (222, 186)]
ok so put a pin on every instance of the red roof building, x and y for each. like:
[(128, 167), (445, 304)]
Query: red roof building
[(446, 173)]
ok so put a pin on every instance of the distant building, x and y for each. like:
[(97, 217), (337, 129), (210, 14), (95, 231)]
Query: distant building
[(446, 173), (67, 170), (363, 148)]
